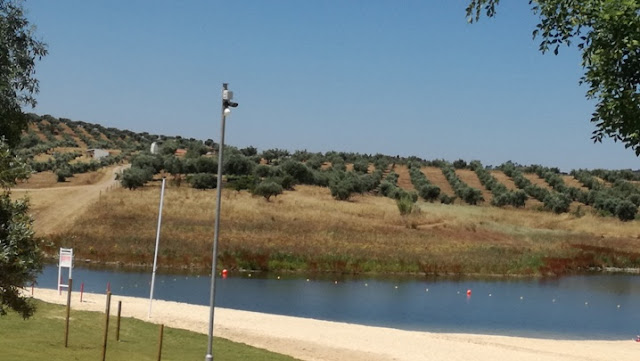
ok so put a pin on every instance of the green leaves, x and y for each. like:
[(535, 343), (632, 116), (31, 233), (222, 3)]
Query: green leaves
[(607, 32)]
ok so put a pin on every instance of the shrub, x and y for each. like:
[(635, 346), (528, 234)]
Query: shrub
[(203, 180), (430, 192), (405, 205), (557, 202), (262, 171), (460, 164), (267, 189), (518, 198), (501, 200), (247, 182), (445, 199), (626, 210), (63, 173), (472, 196), (361, 165), (135, 177), (238, 164), (300, 172)]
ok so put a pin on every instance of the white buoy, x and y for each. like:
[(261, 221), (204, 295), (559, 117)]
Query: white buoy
[(521, 297), (489, 294), (396, 287), (366, 285), (427, 290)]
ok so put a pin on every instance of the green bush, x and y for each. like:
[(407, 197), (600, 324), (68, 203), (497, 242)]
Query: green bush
[(430, 192), (238, 164), (203, 180), (63, 173), (300, 172), (268, 189), (557, 202), (262, 171), (626, 210), (361, 166), (446, 199), (472, 196), (405, 205), (135, 177)]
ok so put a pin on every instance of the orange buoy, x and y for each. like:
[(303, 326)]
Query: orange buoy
[(468, 292)]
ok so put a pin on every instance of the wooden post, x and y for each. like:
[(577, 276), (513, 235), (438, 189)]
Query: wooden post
[(81, 291), (118, 322), (106, 326), (66, 326), (160, 342)]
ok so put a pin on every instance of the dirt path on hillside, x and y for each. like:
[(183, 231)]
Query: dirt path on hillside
[(55, 208), (316, 340)]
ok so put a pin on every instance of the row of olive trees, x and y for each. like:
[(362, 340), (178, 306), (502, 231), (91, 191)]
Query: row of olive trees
[(501, 195), (621, 199), (553, 201), (427, 190), (468, 194)]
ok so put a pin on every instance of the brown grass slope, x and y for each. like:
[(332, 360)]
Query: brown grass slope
[(308, 230)]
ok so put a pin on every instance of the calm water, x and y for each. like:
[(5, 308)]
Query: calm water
[(598, 306)]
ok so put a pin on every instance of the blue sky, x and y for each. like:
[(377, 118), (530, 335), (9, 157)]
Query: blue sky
[(392, 77)]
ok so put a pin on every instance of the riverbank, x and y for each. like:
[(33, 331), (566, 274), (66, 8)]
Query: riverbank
[(316, 340)]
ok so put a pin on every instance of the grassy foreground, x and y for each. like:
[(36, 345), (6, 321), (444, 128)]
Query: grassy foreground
[(307, 230), (42, 338)]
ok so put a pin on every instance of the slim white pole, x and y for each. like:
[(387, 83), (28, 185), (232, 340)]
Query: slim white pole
[(155, 256)]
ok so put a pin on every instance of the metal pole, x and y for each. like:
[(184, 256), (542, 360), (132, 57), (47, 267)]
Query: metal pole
[(66, 325), (155, 256), (214, 262)]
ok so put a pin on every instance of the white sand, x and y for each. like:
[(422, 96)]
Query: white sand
[(309, 339)]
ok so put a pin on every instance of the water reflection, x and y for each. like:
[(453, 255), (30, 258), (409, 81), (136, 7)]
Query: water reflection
[(599, 306)]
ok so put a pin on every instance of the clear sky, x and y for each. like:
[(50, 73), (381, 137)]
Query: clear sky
[(370, 76)]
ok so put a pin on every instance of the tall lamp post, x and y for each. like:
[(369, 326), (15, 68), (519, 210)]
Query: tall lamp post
[(227, 95)]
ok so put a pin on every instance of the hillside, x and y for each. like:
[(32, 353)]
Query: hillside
[(334, 211)]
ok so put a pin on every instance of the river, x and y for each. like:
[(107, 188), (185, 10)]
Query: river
[(575, 307)]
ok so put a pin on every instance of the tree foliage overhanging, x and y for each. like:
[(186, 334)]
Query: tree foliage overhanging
[(20, 257), (607, 32)]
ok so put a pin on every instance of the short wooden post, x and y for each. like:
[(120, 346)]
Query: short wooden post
[(81, 291), (66, 326), (160, 342), (118, 322), (106, 326)]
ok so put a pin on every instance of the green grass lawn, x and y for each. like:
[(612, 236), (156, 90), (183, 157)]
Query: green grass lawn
[(42, 338)]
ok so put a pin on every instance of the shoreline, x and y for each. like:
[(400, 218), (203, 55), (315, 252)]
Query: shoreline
[(317, 340)]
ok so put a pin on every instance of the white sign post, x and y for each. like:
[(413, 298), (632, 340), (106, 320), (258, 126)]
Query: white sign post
[(66, 261), (155, 255)]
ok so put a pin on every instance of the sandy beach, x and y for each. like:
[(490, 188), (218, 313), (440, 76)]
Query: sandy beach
[(315, 340)]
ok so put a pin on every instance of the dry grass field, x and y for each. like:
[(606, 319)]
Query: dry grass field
[(307, 230)]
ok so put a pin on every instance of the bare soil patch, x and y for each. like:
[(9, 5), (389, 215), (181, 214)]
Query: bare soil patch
[(404, 179), (535, 179), (570, 181), (435, 176), (504, 179)]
